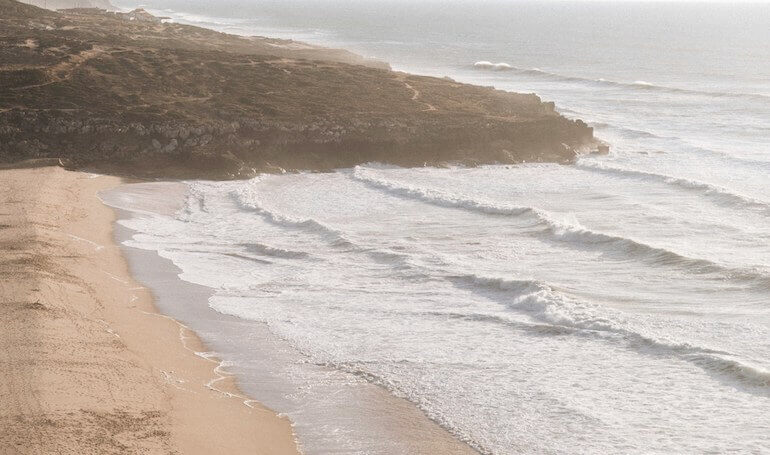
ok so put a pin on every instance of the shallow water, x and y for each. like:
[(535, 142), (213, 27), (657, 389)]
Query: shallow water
[(621, 304)]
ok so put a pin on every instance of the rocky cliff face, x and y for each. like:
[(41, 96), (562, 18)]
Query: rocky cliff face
[(153, 99)]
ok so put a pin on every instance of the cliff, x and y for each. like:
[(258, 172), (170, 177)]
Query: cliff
[(153, 99)]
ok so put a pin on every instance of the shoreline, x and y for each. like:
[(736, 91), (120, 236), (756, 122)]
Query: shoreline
[(90, 365), (346, 413)]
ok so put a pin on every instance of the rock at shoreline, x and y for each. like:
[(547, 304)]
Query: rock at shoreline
[(147, 98)]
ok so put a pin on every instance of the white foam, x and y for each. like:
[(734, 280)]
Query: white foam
[(485, 343), (502, 66)]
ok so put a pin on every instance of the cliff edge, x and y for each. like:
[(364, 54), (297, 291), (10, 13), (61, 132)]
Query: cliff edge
[(148, 98)]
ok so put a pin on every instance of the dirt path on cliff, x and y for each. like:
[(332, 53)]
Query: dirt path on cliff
[(416, 94), (63, 71)]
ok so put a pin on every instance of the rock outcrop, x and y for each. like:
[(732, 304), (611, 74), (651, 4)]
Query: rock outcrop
[(153, 99)]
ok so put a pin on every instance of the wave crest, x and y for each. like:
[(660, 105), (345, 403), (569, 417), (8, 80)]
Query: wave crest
[(544, 303), (564, 231), (267, 250), (493, 66), (602, 82), (723, 195), (246, 197)]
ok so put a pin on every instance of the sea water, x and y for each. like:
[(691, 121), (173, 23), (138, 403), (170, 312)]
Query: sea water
[(617, 305)]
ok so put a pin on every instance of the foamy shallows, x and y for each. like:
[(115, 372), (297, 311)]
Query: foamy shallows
[(534, 306), (617, 305)]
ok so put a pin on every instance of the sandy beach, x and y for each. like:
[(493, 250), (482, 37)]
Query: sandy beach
[(87, 365), (384, 227)]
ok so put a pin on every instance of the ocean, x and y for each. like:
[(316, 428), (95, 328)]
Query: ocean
[(617, 305)]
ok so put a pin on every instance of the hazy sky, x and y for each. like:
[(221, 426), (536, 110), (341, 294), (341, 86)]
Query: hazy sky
[(149, 3)]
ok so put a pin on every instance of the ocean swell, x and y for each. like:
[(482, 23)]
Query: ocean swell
[(721, 194), (601, 82), (544, 303), (571, 233), (677, 142), (555, 312)]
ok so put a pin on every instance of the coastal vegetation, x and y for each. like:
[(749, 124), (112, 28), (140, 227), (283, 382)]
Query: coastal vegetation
[(125, 95)]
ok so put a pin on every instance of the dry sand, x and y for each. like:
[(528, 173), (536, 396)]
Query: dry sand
[(86, 363)]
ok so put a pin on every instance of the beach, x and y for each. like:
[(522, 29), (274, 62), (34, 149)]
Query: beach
[(87, 364), (514, 241), (332, 410)]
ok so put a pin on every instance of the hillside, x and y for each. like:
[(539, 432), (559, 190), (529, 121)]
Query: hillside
[(64, 4), (152, 99)]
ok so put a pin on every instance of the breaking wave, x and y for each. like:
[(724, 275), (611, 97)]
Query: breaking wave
[(555, 313), (247, 198), (494, 66), (267, 250), (601, 82), (569, 232), (546, 304), (721, 194)]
